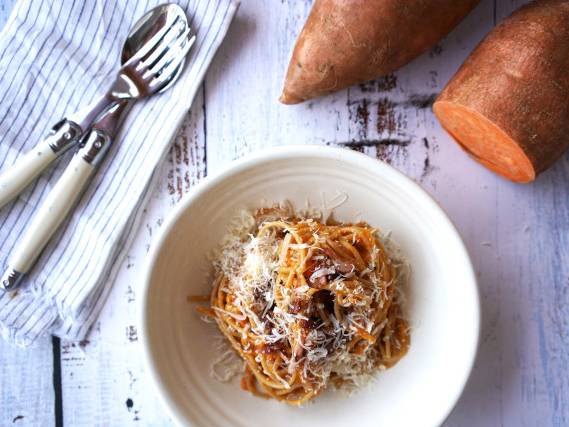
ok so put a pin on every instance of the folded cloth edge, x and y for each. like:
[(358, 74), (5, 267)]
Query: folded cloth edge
[(65, 325)]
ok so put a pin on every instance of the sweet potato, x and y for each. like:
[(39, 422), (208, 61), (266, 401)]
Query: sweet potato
[(345, 42), (508, 105)]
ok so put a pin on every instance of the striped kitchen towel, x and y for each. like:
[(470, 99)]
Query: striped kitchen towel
[(57, 56)]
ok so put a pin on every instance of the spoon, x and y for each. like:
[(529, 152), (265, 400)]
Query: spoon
[(152, 57), (96, 143)]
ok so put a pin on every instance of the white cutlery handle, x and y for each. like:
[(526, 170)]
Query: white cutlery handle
[(51, 214), (62, 197), (29, 166), (55, 208), (17, 177)]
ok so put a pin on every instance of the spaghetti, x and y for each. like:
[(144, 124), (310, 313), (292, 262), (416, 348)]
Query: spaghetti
[(307, 304)]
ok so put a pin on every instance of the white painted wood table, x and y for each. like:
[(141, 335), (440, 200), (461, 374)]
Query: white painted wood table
[(518, 236)]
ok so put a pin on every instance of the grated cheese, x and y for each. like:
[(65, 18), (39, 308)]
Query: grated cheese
[(250, 264)]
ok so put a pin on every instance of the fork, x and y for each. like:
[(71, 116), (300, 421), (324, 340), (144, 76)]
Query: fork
[(141, 76)]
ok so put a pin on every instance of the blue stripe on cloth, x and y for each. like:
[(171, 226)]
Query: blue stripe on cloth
[(18, 217), (218, 15), (74, 276), (128, 157), (117, 198), (91, 309)]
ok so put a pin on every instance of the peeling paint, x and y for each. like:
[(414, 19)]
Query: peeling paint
[(436, 50), (386, 121), (132, 333), (130, 295), (428, 167), (420, 101), (375, 143), (383, 84)]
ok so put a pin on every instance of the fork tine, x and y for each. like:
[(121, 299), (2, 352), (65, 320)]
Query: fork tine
[(162, 48), (168, 67), (173, 52), (151, 44)]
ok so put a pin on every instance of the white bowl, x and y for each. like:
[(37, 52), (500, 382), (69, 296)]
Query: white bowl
[(443, 302)]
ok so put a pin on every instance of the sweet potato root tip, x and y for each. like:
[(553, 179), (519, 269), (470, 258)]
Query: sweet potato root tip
[(485, 142), (289, 98)]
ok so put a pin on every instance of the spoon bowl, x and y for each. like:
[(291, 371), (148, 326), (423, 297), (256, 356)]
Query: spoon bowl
[(148, 26)]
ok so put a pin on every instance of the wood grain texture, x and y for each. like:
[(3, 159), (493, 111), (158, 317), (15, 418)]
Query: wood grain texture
[(26, 385), (517, 235)]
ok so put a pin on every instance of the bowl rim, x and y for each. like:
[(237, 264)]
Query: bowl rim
[(278, 153)]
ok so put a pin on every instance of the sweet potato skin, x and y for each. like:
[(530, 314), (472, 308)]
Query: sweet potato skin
[(516, 79), (345, 42)]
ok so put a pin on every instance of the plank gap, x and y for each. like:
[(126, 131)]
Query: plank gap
[(57, 383), (204, 129)]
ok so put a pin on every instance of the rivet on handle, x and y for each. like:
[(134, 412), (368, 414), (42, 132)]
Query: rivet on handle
[(11, 280)]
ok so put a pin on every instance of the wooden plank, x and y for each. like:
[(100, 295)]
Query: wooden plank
[(513, 235), (103, 378), (532, 330), (26, 384), (245, 82)]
